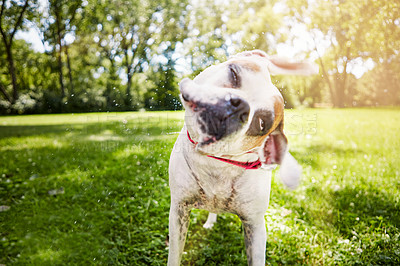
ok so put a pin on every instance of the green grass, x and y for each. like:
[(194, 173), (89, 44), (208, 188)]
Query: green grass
[(93, 189)]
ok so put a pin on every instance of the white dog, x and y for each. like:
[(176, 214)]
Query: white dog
[(232, 138)]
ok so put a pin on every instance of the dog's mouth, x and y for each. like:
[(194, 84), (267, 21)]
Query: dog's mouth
[(208, 141), (218, 118), (212, 132)]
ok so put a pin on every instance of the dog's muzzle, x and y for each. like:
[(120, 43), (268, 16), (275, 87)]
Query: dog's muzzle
[(219, 118)]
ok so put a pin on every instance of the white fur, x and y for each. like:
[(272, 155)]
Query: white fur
[(212, 218), (290, 171)]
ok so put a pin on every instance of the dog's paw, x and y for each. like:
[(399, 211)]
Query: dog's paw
[(212, 218)]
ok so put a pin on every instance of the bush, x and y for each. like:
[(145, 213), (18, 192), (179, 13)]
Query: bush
[(5, 107), (26, 103), (51, 102), (89, 101)]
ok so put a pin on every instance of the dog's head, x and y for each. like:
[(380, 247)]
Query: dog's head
[(233, 107)]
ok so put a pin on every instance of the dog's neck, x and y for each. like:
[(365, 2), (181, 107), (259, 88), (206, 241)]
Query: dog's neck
[(248, 165)]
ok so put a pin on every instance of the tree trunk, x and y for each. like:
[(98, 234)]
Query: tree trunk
[(61, 77), (60, 68), (3, 90), (341, 96), (339, 91), (346, 94), (110, 81), (11, 69), (325, 75), (8, 46), (128, 97), (71, 82)]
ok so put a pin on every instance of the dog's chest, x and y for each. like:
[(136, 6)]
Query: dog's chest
[(215, 193), (205, 183), (216, 198)]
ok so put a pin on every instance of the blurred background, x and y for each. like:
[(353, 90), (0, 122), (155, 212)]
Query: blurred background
[(97, 55)]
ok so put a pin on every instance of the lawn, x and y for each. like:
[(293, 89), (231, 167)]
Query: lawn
[(93, 189)]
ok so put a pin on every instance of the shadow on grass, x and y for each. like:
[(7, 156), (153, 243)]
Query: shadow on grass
[(351, 202), (361, 205), (221, 245), (370, 217)]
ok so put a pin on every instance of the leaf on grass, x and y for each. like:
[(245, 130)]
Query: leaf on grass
[(55, 192), (4, 208), (285, 212), (33, 177)]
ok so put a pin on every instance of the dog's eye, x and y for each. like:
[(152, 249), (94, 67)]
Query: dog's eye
[(234, 76), (262, 124)]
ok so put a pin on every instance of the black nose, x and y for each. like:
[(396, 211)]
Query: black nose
[(226, 116), (235, 102)]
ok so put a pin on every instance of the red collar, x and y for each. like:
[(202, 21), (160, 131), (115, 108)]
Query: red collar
[(245, 165)]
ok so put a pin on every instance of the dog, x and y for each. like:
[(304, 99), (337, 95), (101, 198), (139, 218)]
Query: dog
[(231, 140)]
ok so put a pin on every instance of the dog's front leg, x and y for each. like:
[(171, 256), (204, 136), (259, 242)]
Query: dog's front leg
[(255, 238), (178, 225)]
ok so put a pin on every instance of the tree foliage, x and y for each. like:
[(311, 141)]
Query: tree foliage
[(130, 54), (12, 14), (358, 31)]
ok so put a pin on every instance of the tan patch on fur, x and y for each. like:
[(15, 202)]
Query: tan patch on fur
[(279, 111), (248, 65), (253, 142)]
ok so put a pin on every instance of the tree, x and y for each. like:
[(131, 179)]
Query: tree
[(257, 24), (60, 21), (357, 30), (164, 94), (12, 14), (207, 34), (383, 40), (127, 36)]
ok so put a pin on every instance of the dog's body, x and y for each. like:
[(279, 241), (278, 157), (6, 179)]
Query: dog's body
[(232, 137)]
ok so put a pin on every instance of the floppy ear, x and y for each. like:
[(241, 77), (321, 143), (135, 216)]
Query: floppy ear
[(275, 151), (280, 65)]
